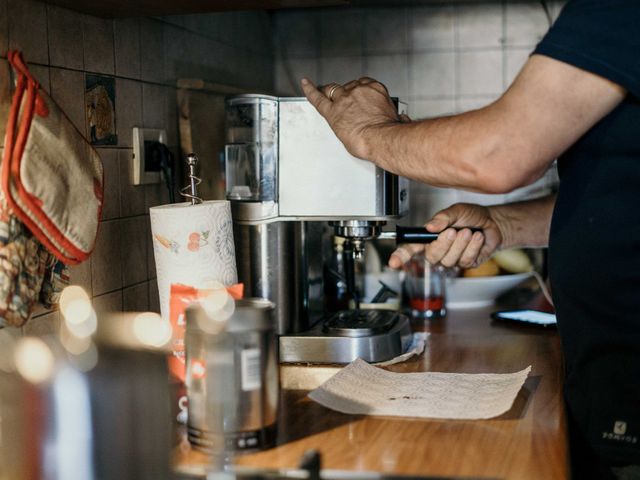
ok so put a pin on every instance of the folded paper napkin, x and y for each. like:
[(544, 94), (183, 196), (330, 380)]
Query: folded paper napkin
[(362, 389)]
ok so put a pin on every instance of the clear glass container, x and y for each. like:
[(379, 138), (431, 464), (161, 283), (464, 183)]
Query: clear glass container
[(424, 286), (251, 151)]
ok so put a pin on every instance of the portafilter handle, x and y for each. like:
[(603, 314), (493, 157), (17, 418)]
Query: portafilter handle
[(414, 234)]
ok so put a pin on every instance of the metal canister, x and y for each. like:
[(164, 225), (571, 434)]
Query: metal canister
[(232, 379)]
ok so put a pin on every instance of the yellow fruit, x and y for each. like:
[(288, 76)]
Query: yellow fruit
[(513, 261), (486, 269)]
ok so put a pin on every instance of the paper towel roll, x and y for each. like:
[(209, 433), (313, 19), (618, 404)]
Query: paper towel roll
[(192, 245)]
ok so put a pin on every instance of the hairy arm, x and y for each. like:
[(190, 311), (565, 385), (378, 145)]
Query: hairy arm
[(495, 149)]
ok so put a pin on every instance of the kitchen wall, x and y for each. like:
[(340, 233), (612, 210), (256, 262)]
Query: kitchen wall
[(145, 57), (442, 59)]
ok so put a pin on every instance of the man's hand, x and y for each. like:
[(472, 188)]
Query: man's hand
[(355, 111), (457, 245)]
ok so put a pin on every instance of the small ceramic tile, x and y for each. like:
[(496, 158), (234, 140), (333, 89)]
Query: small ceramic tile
[(154, 297), (297, 33), (133, 245), (132, 197), (431, 108), (111, 165), (80, 275), (526, 24), (175, 44), (67, 88), (288, 74), (136, 298), (252, 31), (431, 28), (5, 95), (98, 45), (216, 25), (4, 27), (107, 303), (171, 104), (65, 38), (100, 108), (479, 25), (106, 260), (28, 30), (127, 47), (128, 109), (432, 74), (42, 74), (151, 51), (392, 71), (480, 73), (514, 61), (386, 30), (340, 69), (47, 324), (154, 106), (341, 32), (156, 194)]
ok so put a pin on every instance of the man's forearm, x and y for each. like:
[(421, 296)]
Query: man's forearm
[(524, 224)]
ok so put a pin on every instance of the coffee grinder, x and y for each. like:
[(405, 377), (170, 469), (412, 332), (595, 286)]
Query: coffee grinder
[(287, 173)]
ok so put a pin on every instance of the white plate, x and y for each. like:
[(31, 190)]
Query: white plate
[(478, 292)]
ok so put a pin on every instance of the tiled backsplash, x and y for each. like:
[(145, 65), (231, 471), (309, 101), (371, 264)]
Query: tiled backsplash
[(145, 56), (442, 59)]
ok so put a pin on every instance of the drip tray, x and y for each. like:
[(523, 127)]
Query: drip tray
[(372, 335)]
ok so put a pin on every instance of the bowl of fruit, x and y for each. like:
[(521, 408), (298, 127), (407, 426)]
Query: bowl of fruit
[(480, 286)]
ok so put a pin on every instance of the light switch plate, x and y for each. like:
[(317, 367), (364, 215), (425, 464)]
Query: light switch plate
[(139, 174)]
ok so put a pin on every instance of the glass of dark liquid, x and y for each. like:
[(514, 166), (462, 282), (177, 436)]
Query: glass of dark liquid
[(425, 288)]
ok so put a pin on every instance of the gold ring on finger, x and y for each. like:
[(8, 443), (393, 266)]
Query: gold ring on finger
[(332, 90)]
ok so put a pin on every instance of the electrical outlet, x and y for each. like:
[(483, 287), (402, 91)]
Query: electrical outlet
[(145, 168)]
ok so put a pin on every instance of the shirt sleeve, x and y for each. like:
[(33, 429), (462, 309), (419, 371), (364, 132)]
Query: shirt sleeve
[(599, 36)]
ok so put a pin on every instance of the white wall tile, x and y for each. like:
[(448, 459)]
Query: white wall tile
[(432, 74), (106, 260), (132, 197), (4, 26), (28, 30), (171, 104), (341, 32), (526, 24), (296, 33), (81, 275), (133, 245), (251, 30), (480, 73), (67, 89), (127, 47), (340, 69), (98, 44), (136, 298), (479, 25), (151, 51), (128, 109), (386, 30), (431, 28), (42, 74), (514, 61), (111, 165), (42, 325), (392, 71), (288, 74), (65, 38), (108, 303), (154, 111), (431, 108)]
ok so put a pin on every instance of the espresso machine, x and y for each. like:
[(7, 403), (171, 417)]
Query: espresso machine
[(286, 174)]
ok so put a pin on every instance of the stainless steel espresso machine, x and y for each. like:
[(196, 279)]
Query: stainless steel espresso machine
[(285, 171)]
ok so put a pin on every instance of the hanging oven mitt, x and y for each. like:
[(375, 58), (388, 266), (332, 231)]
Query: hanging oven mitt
[(51, 177)]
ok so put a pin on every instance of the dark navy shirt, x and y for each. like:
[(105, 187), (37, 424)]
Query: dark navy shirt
[(594, 249)]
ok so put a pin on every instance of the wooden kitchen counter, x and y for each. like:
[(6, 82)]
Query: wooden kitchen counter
[(527, 442)]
